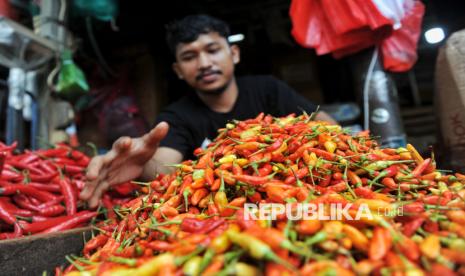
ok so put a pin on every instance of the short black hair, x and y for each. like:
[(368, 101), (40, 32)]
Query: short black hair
[(190, 27)]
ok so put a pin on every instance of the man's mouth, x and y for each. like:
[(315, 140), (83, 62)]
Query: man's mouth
[(208, 76)]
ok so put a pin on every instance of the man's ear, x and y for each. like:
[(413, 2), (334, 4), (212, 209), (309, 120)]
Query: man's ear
[(176, 69), (236, 53)]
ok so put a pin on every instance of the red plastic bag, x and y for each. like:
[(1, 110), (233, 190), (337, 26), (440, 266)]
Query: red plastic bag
[(345, 27), (340, 27), (306, 28), (399, 51)]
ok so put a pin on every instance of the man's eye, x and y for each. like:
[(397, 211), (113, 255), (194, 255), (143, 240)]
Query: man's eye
[(188, 58), (213, 50)]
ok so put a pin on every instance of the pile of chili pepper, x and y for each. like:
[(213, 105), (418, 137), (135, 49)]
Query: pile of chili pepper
[(192, 222), (39, 191)]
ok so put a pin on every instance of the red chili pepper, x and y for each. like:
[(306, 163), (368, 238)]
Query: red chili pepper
[(380, 244), (76, 155), (14, 210), (2, 161), (94, 243), (265, 170), (53, 152), (209, 176), (198, 226), (205, 161), (83, 162), (51, 211), (106, 200), (198, 195), (9, 175), (38, 226), (275, 145), (212, 209), (412, 226), (9, 219), (9, 148), (301, 173), (24, 166), (300, 151), (43, 177), (45, 187), (73, 169), (390, 183), (24, 189), (339, 187), (435, 199), (353, 178), (440, 269), (64, 161), (324, 154), (23, 202), (325, 181), (364, 192), (55, 201), (236, 169), (70, 197), (255, 197), (431, 226), (48, 167), (253, 180), (73, 221), (124, 189), (409, 248), (421, 168), (415, 207)]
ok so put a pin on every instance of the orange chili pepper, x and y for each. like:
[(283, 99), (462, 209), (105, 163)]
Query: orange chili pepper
[(359, 240), (199, 195), (308, 227), (380, 244)]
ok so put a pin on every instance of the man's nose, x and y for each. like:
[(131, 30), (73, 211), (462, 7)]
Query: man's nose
[(204, 61)]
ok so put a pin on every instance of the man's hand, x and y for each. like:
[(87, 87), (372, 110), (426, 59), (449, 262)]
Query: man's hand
[(124, 162)]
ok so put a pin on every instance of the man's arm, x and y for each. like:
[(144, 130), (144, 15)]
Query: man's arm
[(160, 162)]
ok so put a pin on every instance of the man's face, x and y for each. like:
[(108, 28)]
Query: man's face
[(206, 64)]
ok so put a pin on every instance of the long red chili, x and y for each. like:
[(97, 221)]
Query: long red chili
[(94, 243), (43, 177), (9, 219), (45, 187), (14, 210), (24, 189), (2, 161), (38, 226), (73, 221), (70, 196), (252, 180), (50, 211), (23, 202), (421, 167)]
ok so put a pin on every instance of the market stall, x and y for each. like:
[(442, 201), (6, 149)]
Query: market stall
[(261, 138)]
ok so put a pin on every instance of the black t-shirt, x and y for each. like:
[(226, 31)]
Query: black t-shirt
[(192, 122)]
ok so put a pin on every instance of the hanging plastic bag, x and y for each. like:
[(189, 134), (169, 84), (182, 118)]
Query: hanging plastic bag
[(71, 80), (340, 27), (105, 10), (345, 27), (399, 51)]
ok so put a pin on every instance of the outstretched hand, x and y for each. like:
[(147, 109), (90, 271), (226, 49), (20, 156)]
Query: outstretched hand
[(124, 162)]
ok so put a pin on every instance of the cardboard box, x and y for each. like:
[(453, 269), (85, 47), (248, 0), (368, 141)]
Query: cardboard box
[(450, 102)]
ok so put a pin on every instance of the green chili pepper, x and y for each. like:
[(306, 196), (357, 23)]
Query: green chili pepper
[(192, 266)]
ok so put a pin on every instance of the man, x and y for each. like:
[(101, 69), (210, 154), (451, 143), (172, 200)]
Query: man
[(205, 60)]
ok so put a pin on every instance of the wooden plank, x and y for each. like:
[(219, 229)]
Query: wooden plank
[(34, 254)]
